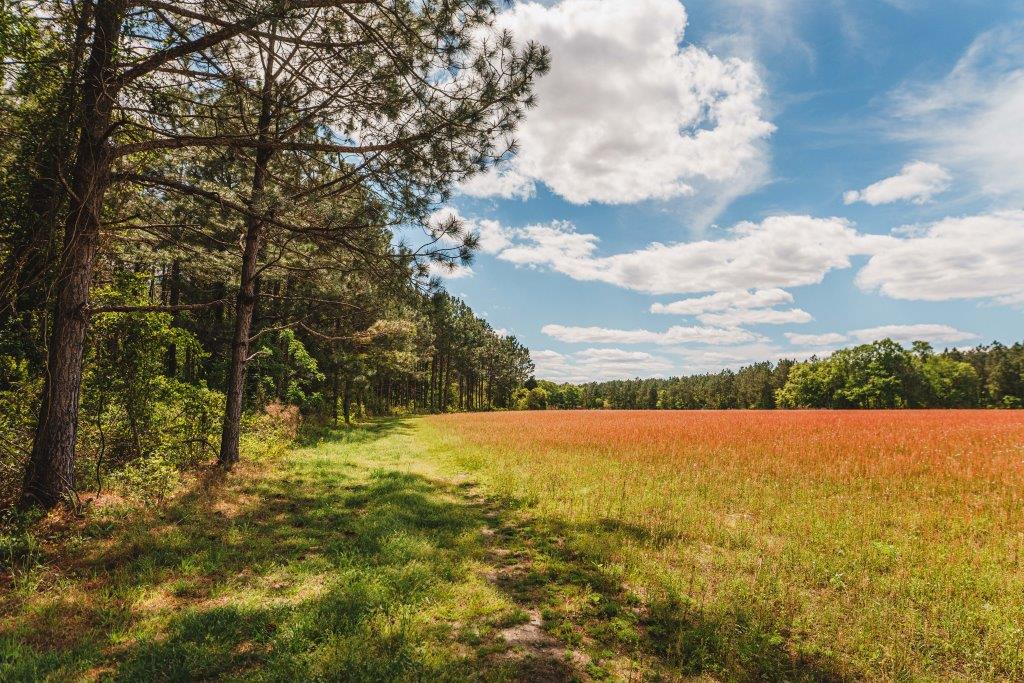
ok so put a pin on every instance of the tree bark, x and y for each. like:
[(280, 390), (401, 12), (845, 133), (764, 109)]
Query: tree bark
[(247, 291), (346, 401), (173, 299), (49, 476)]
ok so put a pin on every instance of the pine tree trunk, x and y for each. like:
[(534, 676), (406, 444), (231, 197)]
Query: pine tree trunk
[(246, 301), (173, 298), (346, 400), (334, 395), (49, 477)]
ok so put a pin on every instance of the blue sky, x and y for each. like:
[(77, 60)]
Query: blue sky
[(708, 184)]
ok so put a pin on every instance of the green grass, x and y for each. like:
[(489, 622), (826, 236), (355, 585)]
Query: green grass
[(393, 551), (354, 559)]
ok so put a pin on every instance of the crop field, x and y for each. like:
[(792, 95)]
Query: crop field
[(813, 545)]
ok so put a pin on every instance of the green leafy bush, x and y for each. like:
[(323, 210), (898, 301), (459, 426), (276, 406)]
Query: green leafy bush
[(269, 433), (18, 393), (148, 480)]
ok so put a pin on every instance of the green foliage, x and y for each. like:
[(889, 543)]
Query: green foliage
[(131, 410), (951, 383), (18, 393), (284, 370), (268, 433), (149, 479), (879, 375), (21, 552), (537, 399)]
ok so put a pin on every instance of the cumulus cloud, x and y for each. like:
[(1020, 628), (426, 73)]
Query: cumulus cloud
[(449, 271), (715, 359), (756, 316), (674, 335), (723, 301), (826, 339), (973, 257), (971, 117), (781, 251), (737, 308), (918, 182), (594, 365), (968, 257), (627, 113), (940, 334)]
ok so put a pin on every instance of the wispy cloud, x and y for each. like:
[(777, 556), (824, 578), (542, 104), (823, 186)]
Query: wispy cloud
[(592, 365), (673, 335), (971, 118)]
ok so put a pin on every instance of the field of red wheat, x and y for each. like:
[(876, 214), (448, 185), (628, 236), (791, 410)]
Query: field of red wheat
[(889, 543)]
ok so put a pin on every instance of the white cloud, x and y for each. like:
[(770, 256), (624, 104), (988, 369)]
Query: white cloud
[(936, 333), (971, 118), (738, 308), (723, 301), (556, 241), (593, 365), (756, 316), (628, 114), (674, 335), (910, 333), (973, 257), (918, 182), (715, 359), (781, 251), (449, 271), (826, 339), (493, 236), (756, 28), (504, 181)]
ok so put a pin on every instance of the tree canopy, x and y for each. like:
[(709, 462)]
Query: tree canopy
[(232, 202), (882, 374)]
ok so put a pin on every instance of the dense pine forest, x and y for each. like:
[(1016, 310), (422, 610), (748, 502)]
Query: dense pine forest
[(208, 208), (882, 374)]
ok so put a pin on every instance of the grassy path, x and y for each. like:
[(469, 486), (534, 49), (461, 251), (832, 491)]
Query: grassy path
[(357, 559)]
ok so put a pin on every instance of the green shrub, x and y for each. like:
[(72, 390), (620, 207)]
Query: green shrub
[(270, 432), (148, 480)]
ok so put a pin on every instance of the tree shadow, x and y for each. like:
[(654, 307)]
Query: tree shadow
[(328, 572)]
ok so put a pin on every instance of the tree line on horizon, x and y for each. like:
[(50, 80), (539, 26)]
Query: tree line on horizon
[(882, 374), (210, 206)]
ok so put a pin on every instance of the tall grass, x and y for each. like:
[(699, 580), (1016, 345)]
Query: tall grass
[(879, 544)]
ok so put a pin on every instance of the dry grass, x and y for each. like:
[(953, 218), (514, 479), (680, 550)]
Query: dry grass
[(795, 544)]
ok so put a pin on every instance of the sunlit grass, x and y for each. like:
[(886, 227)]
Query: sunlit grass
[(334, 563), (554, 546)]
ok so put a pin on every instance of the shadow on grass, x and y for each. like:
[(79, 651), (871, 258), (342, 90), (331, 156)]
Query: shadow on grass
[(331, 571)]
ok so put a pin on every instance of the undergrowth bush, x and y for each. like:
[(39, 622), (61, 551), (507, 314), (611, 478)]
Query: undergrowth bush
[(270, 432), (20, 549), (148, 480), (18, 393)]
